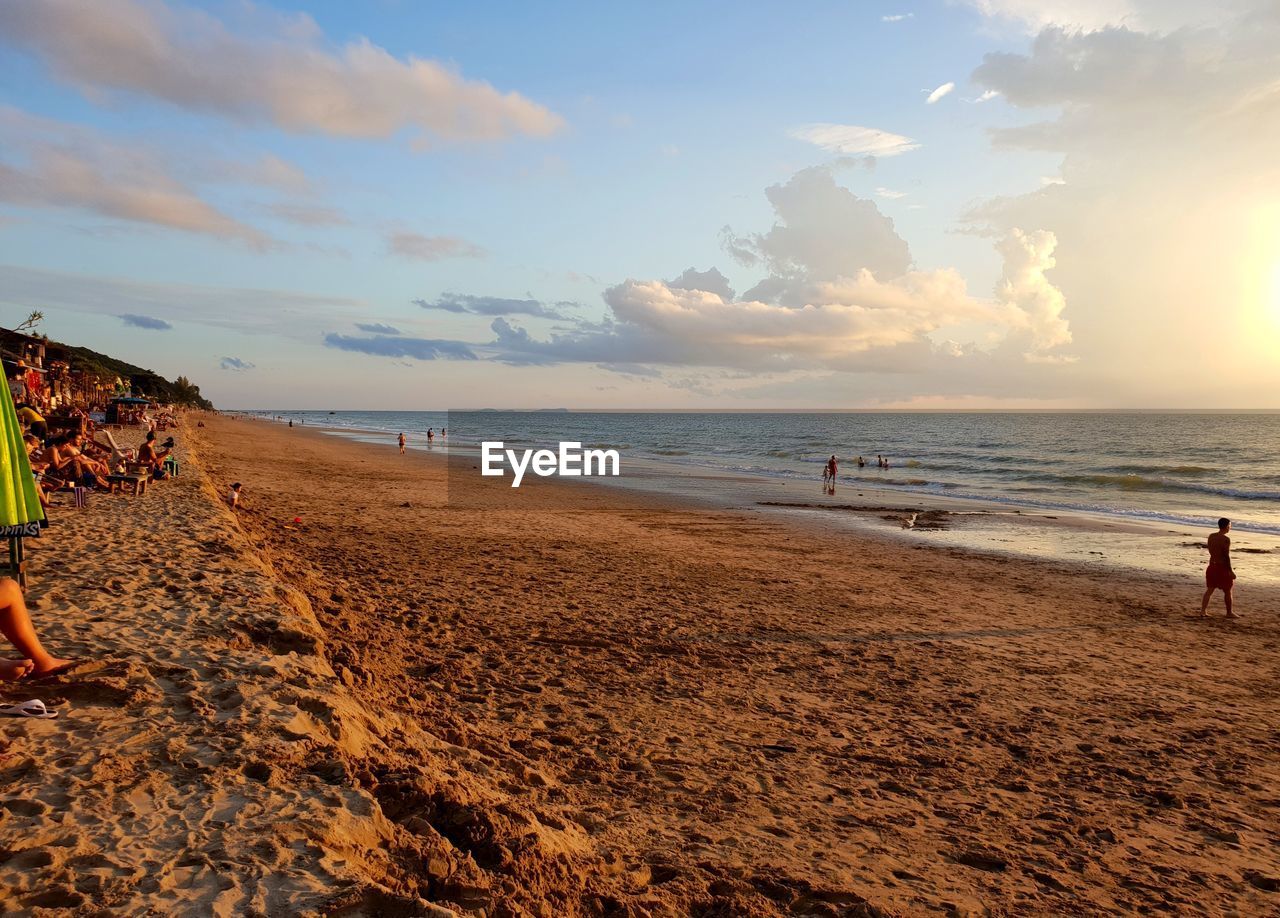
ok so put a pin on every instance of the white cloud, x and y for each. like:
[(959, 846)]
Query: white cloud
[(1089, 15), (431, 248), (276, 70), (943, 90), (711, 281), (841, 294), (897, 17), (53, 165), (274, 172), (1035, 303), (890, 193), (823, 231), (308, 214), (1165, 201), (853, 139)]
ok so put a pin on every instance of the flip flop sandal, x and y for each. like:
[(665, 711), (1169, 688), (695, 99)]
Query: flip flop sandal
[(33, 708)]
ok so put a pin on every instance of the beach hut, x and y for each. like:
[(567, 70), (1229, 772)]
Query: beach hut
[(21, 515)]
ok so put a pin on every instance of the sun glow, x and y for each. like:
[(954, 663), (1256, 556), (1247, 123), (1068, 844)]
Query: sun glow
[(1273, 295)]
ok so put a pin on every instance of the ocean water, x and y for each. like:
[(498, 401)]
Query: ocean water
[(1178, 468)]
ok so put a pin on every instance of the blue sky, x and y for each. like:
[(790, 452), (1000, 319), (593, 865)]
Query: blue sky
[(619, 146)]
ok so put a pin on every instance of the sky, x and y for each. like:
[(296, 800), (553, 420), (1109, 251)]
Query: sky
[(749, 205)]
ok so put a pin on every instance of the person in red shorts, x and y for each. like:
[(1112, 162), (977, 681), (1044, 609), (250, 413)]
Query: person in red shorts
[(1219, 575)]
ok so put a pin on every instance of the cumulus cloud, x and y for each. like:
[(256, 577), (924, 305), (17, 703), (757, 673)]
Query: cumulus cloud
[(276, 70), (853, 139), (399, 346), (855, 324), (235, 364), (1036, 304), (377, 328), (710, 280), (147, 322), (46, 164), (841, 295), (1164, 199), (1090, 15), (431, 248), (489, 306), (943, 90), (823, 231)]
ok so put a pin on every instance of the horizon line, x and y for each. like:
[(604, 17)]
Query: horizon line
[(771, 410)]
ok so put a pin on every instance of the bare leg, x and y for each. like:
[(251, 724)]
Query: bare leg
[(1204, 603), (1226, 596), (15, 624)]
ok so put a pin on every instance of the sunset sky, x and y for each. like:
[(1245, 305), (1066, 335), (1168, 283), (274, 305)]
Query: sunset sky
[(976, 203)]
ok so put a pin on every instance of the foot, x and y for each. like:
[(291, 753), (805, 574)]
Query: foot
[(52, 667), (13, 670), (1232, 615)]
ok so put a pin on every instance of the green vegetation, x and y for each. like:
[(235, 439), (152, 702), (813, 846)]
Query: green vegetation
[(143, 382)]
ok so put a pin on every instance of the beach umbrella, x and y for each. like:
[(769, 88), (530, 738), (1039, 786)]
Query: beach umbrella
[(20, 512)]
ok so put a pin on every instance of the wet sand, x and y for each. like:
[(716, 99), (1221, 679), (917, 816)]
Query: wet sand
[(563, 702), (733, 713)]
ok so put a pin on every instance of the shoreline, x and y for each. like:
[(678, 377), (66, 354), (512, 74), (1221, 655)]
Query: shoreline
[(1054, 533), (713, 704), (970, 492)]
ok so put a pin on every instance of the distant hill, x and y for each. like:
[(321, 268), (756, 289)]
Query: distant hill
[(144, 382)]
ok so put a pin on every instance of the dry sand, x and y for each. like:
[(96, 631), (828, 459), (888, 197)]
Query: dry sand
[(564, 702)]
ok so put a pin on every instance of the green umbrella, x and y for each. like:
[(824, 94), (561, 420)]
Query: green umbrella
[(20, 511)]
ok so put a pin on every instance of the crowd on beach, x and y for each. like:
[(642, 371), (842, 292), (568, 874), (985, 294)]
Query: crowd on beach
[(72, 449), (832, 468)]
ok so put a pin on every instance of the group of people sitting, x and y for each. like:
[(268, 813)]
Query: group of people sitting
[(75, 458)]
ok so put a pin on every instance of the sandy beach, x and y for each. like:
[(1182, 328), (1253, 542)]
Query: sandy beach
[(429, 696)]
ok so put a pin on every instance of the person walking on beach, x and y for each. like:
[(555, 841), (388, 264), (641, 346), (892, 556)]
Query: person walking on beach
[(401, 444), (431, 436), (829, 475), (1219, 575)]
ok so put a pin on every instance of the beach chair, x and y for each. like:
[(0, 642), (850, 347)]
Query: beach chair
[(118, 455), (135, 483)]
